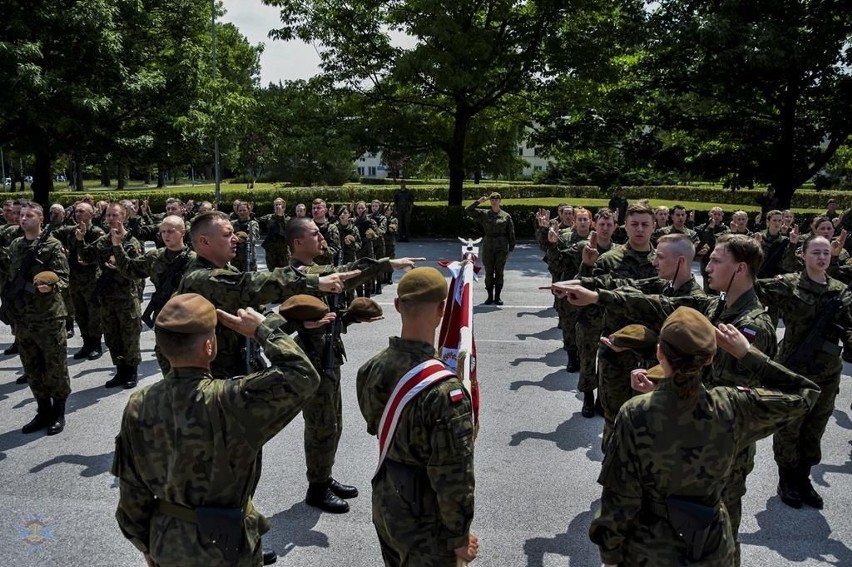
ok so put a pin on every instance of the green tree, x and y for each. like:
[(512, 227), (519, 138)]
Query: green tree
[(451, 62)]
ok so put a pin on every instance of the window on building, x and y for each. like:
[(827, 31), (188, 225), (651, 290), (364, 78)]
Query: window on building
[(360, 171), (537, 168), (372, 171), (521, 151)]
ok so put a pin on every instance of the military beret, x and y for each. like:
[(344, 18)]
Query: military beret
[(45, 278), (371, 234), (303, 308), (242, 235), (689, 332), (187, 313), (635, 337), (655, 373), (363, 309), (422, 284), (495, 195)]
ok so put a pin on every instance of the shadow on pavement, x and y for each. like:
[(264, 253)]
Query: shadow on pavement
[(93, 465), (558, 381), (294, 528), (789, 539), (842, 419), (547, 313), (569, 436), (818, 472), (551, 333), (573, 544), (554, 359)]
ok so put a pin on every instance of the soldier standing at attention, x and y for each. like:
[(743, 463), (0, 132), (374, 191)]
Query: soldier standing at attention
[(706, 234), (423, 489), (678, 226), (390, 238), (379, 242), (816, 313), (187, 454), (403, 203), (275, 245), (497, 243), (248, 232), (82, 281), (117, 297), (331, 238), (37, 277), (323, 413), (9, 232), (665, 470)]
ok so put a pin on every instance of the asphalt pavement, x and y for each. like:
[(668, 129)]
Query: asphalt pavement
[(537, 458)]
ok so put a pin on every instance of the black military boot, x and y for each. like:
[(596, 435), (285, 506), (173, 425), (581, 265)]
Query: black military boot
[(269, 556), (85, 351), (497, 290), (131, 377), (69, 328), (119, 378), (58, 424), (43, 417), (809, 496), (490, 299), (320, 496), (342, 490), (573, 360), (588, 404), (787, 489), (22, 379), (97, 350), (13, 349)]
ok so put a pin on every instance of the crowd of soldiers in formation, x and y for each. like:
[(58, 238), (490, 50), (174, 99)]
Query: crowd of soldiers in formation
[(609, 279)]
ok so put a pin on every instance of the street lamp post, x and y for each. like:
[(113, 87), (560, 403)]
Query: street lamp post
[(218, 191)]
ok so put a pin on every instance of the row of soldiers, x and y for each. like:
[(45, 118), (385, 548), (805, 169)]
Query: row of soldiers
[(607, 287)]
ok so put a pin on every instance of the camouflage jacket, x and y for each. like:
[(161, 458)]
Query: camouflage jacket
[(364, 223), (329, 232), (275, 227), (230, 289), (29, 304), (801, 301), (746, 314), (111, 284), (498, 228), (194, 441), (671, 229), (152, 264), (434, 434), (774, 251), (622, 262), (561, 257), (252, 229), (81, 274), (665, 447), (350, 250)]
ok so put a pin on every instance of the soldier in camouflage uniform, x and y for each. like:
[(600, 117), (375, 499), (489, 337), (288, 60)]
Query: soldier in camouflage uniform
[(706, 234), (9, 232), (350, 241), (165, 266), (423, 491), (816, 313), (497, 243), (82, 281), (369, 232), (324, 412), (37, 312), (275, 245), (379, 242), (730, 269), (117, 298), (319, 214), (390, 238), (248, 226), (189, 444), (660, 507)]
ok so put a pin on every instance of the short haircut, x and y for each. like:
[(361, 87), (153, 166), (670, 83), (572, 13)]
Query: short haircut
[(176, 346), (638, 209), (678, 208), (203, 222), (681, 245), (296, 228), (819, 220), (604, 213), (582, 211), (773, 212), (34, 206), (744, 249)]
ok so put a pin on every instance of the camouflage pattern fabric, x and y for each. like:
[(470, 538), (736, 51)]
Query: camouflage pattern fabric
[(646, 462), (275, 245), (671, 229), (82, 280), (800, 302), (224, 425), (433, 440), (333, 241), (251, 228), (497, 242)]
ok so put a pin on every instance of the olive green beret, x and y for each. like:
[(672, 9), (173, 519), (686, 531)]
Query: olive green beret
[(689, 332), (655, 373), (635, 337), (242, 235), (363, 309), (187, 313), (303, 308), (495, 195), (422, 284), (45, 278)]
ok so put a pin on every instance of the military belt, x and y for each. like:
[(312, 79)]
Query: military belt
[(188, 514)]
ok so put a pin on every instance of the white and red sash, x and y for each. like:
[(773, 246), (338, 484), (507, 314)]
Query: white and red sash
[(419, 378)]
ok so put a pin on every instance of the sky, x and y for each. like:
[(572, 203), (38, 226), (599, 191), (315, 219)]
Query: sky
[(280, 61)]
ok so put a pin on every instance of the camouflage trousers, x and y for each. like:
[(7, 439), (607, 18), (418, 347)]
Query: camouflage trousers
[(568, 321), (735, 489), (277, 256), (323, 415), (588, 342), (798, 442), (379, 253), (406, 540), (44, 356), (613, 384), (121, 323), (85, 312), (495, 252)]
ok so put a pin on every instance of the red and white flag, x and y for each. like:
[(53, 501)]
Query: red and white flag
[(456, 345)]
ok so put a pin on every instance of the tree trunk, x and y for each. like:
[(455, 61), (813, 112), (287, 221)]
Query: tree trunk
[(161, 177), (455, 153), (106, 180), (42, 178), (121, 181)]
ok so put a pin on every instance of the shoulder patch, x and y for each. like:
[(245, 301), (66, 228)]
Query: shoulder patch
[(749, 333), (456, 395), (743, 389)]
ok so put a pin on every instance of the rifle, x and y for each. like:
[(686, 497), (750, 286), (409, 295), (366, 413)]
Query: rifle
[(814, 341), (168, 285), (251, 350), (332, 331), (22, 282)]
